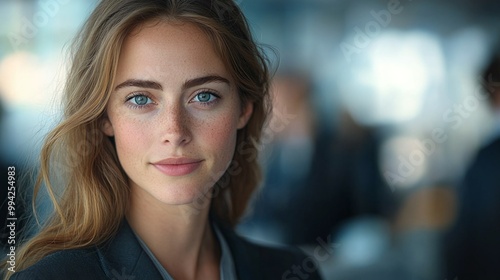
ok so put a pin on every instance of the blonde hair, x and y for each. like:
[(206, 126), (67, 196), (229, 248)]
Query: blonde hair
[(95, 193)]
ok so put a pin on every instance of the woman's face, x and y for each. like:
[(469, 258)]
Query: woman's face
[(174, 112)]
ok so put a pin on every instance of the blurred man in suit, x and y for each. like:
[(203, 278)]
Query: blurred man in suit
[(473, 244)]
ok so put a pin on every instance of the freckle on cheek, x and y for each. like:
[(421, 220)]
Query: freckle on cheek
[(223, 130)]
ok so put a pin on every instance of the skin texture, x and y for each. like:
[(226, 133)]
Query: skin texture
[(164, 118)]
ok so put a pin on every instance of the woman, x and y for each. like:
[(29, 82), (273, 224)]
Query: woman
[(164, 104)]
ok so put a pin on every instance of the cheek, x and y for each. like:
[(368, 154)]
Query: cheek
[(130, 139), (220, 137)]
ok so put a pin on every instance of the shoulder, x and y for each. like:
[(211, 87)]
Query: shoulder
[(285, 262), (485, 163), (65, 264), (120, 257), (266, 262), (281, 254), (492, 150)]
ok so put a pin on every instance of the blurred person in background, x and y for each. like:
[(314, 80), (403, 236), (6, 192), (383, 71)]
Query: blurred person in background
[(318, 175), (473, 244), (301, 197)]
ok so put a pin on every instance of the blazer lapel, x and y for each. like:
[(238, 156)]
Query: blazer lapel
[(245, 257), (123, 257)]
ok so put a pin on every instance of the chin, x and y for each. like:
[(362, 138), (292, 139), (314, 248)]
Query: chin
[(182, 195)]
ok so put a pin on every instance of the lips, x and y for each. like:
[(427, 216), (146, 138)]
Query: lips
[(177, 166)]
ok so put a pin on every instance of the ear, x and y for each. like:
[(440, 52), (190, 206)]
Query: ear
[(246, 113), (107, 127)]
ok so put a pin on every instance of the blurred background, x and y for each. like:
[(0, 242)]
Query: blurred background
[(382, 156)]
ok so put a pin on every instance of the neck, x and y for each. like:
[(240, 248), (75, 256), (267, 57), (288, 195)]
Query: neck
[(179, 236)]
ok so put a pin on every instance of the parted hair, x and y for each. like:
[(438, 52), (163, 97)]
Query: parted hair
[(79, 166)]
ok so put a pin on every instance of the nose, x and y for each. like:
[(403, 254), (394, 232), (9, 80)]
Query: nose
[(175, 125)]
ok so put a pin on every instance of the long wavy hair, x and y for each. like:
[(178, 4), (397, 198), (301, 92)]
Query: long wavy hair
[(79, 166)]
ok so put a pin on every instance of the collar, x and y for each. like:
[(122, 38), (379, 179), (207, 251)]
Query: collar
[(244, 255), (124, 257)]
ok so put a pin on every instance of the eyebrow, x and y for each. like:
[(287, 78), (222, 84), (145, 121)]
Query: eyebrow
[(139, 83), (187, 84), (203, 80)]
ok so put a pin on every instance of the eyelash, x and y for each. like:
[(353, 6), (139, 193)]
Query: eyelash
[(209, 103), (136, 106)]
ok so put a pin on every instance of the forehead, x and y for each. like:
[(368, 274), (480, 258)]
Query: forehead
[(168, 49)]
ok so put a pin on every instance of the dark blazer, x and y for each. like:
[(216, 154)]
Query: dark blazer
[(472, 246), (122, 258)]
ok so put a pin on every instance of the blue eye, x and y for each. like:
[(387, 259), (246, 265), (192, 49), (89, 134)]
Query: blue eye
[(140, 100), (205, 97)]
